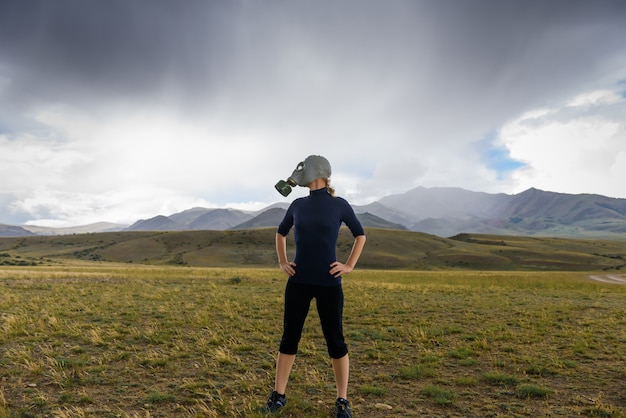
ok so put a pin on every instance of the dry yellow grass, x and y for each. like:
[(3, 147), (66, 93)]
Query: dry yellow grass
[(107, 340)]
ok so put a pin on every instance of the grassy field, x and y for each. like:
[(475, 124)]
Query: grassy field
[(123, 340)]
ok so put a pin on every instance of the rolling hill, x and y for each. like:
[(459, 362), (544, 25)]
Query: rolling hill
[(385, 249)]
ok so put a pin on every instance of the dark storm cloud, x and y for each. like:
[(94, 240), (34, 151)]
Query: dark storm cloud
[(253, 52), (94, 50)]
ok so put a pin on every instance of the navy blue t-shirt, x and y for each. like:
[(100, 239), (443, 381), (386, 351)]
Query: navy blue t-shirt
[(316, 220)]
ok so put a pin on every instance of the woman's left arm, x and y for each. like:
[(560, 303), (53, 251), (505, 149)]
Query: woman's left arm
[(337, 268)]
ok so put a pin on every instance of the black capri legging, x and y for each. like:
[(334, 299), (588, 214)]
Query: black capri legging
[(329, 302)]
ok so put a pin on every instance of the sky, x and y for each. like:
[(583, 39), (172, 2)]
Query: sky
[(121, 110)]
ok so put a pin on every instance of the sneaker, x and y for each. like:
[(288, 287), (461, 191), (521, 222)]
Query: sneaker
[(274, 403), (342, 408)]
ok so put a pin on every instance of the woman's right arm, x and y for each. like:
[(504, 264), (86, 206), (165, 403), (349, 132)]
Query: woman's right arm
[(281, 251)]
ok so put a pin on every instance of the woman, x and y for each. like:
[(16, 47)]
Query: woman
[(315, 273)]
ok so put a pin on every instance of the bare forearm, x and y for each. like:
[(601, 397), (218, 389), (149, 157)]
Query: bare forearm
[(357, 249), (281, 249), (281, 252)]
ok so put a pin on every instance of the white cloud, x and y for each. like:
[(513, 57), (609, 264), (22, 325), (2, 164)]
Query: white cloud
[(577, 148), (595, 98), (122, 205), (618, 169), (129, 165), (30, 162)]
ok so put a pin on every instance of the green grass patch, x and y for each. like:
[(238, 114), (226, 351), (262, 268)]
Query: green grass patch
[(158, 398), (373, 390), (461, 353), (439, 395), (533, 391), (416, 372), (500, 379), (540, 370), (466, 381)]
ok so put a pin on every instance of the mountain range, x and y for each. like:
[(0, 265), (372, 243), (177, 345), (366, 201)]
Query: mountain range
[(441, 211)]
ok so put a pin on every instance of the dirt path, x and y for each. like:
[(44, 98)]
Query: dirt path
[(610, 278)]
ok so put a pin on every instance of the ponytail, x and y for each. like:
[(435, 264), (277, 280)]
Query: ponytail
[(330, 189)]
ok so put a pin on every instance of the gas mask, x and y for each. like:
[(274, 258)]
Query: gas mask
[(313, 167)]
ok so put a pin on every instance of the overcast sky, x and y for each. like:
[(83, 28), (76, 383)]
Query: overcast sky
[(118, 110)]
